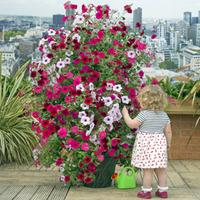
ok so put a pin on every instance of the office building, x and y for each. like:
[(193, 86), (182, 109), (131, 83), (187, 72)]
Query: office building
[(137, 16), (187, 17)]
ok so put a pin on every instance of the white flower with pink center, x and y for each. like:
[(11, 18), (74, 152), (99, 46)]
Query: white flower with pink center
[(91, 86), (108, 120), (60, 64), (78, 20), (131, 54), (88, 132), (67, 61), (117, 88), (80, 87), (107, 101), (69, 53), (93, 95), (46, 60), (82, 114), (85, 121), (76, 37), (109, 86), (51, 32), (84, 106), (125, 99)]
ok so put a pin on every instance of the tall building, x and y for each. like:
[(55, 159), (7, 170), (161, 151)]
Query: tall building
[(195, 20), (183, 29), (70, 14), (8, 58), (199, 16), (195, 34), (57, 21), (137, 16), (161, 30), (191, 56), (187, 17)]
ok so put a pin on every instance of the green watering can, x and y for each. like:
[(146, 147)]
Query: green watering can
[(126, 178)]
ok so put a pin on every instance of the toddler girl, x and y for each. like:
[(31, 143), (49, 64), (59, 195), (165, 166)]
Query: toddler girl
[(152, 140)]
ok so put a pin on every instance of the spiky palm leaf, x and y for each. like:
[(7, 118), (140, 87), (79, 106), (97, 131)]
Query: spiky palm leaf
[(16, 136)]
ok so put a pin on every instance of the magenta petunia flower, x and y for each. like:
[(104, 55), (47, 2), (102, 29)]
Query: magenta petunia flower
[(99, 15), (85, 146), (62, 133)]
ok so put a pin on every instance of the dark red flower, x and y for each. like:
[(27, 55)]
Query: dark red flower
[(33, 74), (92, 167), (128, 8), (87, 159), (88, 100), (88, 180), (81, 164), (154, 82), (80, 176), (153, 36), (67, 179), (138, 25)]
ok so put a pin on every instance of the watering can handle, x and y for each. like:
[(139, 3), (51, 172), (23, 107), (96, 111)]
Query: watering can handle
[(127, 168)]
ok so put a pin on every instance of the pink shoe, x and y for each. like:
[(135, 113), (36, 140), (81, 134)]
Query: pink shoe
[(162, 195), (144, 195)]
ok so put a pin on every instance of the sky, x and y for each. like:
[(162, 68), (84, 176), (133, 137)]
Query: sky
[(151, 8)]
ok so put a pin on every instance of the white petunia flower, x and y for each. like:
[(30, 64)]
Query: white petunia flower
[(107, 101), (62, 178), (76, 37), (46, 60), (79, 20), (84, 106), (51, 32), (91, 86), (93, 95), (67, 33), (129, 136), (125, 99), (80, 87), (69, 53), (116, 106), (82, 114), (60, 64), (62, 169), (88, 132), (131, 54), (67, 61), (109, 86), (108, 120), (117, 88), (85, 121)]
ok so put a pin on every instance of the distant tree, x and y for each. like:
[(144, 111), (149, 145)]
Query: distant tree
[(168, 65), (13, 33)]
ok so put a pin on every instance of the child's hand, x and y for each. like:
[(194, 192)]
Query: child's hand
[(124, 110)]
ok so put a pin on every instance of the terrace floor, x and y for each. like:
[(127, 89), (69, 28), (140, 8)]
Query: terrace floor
[(29, 183)]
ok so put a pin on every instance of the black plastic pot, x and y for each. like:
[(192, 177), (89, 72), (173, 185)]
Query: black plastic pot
[(104, 173)]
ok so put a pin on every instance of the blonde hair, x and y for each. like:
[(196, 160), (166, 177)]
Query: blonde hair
[(152, 97)]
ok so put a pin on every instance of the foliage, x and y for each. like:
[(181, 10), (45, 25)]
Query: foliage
[(176, 89), (16, 136), (84, 78), (168, 65), (13, 33)]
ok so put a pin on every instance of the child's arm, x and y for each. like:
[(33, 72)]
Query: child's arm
[(168, 134), (131, 123)]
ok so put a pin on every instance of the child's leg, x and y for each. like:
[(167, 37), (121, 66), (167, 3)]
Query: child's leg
[(161, 174), (148, 177)]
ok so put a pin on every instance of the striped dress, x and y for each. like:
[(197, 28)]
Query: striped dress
[(150, 148)]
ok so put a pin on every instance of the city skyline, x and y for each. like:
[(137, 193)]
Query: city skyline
[(151, 9)]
